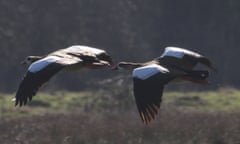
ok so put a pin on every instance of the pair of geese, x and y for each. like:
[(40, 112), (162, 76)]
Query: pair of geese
[(149, 78)]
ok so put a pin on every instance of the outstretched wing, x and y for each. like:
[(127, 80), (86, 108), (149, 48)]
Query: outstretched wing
[(38, 73), (183, 58), (148, 96), (91, 57), (148, 87)]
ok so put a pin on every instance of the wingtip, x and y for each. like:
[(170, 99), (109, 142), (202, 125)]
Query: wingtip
[(14, 100), (17, 104), (147, 123), (146, 119)]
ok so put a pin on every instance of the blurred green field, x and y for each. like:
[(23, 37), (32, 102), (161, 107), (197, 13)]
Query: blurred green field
[(225, 100), (103, 117)]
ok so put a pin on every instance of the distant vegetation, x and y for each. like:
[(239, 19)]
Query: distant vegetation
[(99, 101), (130, 30), (99, 117)]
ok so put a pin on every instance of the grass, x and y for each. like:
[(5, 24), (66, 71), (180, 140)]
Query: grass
[(173, 127), (210, 101), (98, 117), (65, 102)]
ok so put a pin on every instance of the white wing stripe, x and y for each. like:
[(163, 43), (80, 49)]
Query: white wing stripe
[(148, 71), (85, 48), (40, 64), (178, 52)]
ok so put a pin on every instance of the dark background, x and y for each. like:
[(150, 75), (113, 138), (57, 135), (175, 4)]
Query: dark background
[(130, 30)]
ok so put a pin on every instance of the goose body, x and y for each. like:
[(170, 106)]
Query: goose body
[(42, 68), (149, 78)]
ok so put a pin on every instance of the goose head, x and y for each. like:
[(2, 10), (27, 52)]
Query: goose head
[(31, 59)]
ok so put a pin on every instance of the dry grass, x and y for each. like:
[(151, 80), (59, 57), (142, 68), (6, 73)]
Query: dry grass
[(107, 118), (171, 127)]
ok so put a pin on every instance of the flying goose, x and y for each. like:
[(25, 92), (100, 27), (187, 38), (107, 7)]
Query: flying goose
[(149, 78), (42, 68)]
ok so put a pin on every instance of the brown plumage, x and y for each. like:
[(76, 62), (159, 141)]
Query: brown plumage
[(42, 68), (149, 78)]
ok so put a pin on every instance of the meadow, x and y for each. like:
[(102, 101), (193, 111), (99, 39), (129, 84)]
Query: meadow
[(210, 117)]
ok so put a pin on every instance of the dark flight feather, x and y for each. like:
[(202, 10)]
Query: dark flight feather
[(33, 81)]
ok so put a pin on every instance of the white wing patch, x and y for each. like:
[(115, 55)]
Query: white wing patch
[(42, 63), (178, 52), (85, 49), (148, 71)]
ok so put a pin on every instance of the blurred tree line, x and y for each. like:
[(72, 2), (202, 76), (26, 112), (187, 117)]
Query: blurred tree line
[(130, 30)]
